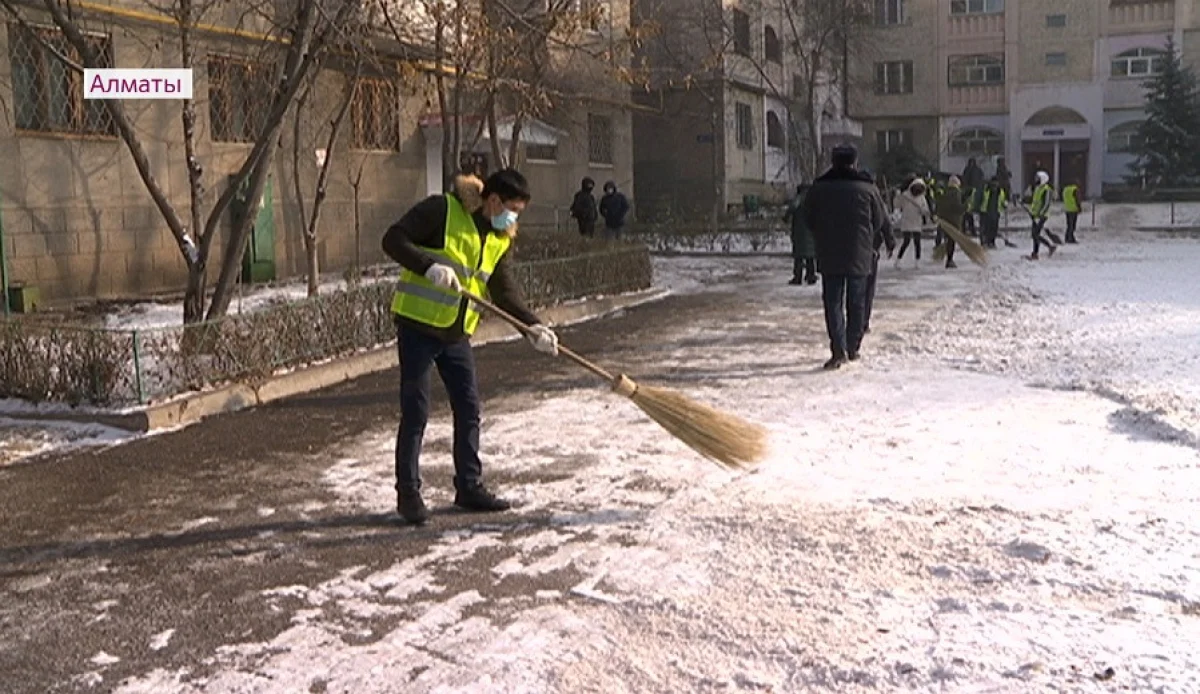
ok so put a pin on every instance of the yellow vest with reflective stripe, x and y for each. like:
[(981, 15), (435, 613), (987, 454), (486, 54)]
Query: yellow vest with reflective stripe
[(1071, 198), (420, 300)]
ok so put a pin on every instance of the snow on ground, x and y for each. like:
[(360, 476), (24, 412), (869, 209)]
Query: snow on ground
[(999, 498), (149, 315), (22, 439)]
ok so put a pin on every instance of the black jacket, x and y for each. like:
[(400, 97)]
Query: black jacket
[(846, 214), (614, 207), (425, 225), (583, 207)]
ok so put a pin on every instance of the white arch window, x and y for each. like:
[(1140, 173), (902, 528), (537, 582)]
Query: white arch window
[(1125, 138), (972, 142), (775, 135), (976, 69), (1139, 62)]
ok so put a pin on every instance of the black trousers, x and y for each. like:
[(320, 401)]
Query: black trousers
[(455, 363), (991, 229), (910, 237), (1072, 224), (944, 239), (804, 269), (1039, 236), (845, 298), (586, 228), (968, 224)]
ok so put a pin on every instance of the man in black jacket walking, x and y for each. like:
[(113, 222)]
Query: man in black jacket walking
[(845, 213)]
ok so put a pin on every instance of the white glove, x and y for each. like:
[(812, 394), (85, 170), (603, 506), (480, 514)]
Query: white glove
[(543, 339), (444, 277)]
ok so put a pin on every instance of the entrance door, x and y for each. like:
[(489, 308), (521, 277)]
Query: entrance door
[(1074, 157), (1035, 157)]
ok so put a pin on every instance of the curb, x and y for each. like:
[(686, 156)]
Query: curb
[(192, 408)]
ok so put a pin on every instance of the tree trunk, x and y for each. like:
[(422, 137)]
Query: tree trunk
[(514, 147), (193, 301), (494, 129), (312, 261)]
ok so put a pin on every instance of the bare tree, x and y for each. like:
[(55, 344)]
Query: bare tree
[(301, 31)]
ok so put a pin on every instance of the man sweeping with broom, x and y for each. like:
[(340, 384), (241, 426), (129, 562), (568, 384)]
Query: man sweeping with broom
[(446, 245)]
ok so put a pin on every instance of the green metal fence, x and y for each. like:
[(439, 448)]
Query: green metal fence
[(119, 367)]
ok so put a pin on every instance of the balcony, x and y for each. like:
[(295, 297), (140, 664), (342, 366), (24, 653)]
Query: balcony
[(981, 98), (975, 25), (1125, 16)]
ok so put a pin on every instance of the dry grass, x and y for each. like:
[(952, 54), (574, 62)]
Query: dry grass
[(970, 246)]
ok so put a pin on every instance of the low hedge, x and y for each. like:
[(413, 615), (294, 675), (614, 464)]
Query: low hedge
[(80, 365)]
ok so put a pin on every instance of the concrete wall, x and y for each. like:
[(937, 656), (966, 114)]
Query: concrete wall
[(1077, 40), (675, 173), (79, 221)]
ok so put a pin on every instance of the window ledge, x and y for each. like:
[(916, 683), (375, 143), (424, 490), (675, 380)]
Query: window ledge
[(54, 135), (542, 162), (594, 165)]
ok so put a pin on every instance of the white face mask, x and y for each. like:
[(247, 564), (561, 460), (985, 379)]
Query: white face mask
[(504, 220)]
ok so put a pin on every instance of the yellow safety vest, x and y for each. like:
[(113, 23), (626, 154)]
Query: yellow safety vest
[(422, 301), (1041, 200), (1071, 198)]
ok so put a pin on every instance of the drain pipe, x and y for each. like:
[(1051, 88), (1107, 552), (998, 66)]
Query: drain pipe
[(4, 267)]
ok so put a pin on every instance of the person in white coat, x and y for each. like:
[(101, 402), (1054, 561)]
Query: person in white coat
[(914, 217)]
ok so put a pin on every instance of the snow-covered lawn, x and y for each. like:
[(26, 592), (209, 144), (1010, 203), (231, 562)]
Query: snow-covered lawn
[(22, 439), (1000, 498)]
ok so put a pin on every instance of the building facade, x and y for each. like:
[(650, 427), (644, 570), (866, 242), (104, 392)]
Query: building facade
[(77, 220), (1054, 86), (724, 121)]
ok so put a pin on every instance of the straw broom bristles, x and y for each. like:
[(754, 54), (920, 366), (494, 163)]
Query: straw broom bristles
[(970, 246), (721, 437), (730, 441)]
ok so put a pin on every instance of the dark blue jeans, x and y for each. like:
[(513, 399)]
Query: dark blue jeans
[(455, 362), (845, 311)]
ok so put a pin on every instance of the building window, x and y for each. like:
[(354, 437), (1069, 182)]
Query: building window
[(600, 140), (47, 95), (976, 69), (1056, 21), (745, 126), (591, 14), (1125, 138), (1139, 62), (238, 99), (375, 112), (1056, 59), (541, 153), (741, 33), (974, 142), (771, 47), (960, 7), (887, 140), (775, 134), (889, 12), (894, 77)]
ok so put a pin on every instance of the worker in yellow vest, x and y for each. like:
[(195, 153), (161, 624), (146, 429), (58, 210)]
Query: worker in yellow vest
[(445, 244), (1039, 212), (1072, 206)]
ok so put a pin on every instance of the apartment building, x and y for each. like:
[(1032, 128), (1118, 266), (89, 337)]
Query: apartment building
[(1055, 86), (723, 121)]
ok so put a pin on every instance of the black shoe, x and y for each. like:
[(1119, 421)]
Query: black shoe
[(1071, 239), (835, 362), (811, 280), (950, 265), (852, 356), (411, 508), (479, 499), (794, 281)]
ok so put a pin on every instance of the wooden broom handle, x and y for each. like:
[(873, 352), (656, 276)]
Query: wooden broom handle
[(516, 323)]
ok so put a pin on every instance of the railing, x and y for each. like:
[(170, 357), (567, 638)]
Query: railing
[(1127, 14), (80, 365), (976, 97), (976, 25)]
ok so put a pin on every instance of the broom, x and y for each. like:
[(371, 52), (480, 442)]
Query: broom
[(969, 245), (723, 438)]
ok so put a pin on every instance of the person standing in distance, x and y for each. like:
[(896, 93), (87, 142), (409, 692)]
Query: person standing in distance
[(845, 213), (1072, 205), (445, 244), (1039, 212), (583, 208)]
